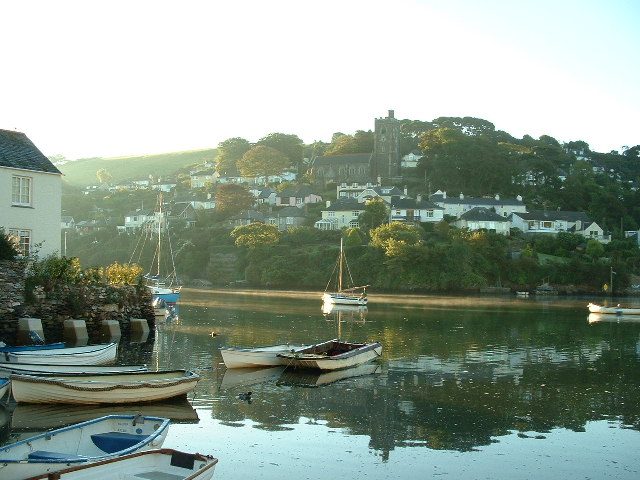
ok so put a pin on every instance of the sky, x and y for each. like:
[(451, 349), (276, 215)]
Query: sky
[(113, 78)]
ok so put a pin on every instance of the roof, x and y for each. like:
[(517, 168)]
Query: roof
[(485, 201), (17, 151), (288, 212), (344, 204), (481, 214), (342, 159), (554, 215), (253, 215), (397, 202), (299, 191)]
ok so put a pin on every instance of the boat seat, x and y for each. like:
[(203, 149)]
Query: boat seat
[(111, 442), (45, 455)]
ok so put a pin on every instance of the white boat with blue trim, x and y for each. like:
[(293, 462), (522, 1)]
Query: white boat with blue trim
[(80, 444), (251, 357), (85, 355)]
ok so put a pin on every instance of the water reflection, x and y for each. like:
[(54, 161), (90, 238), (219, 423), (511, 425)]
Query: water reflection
[(457, 374)]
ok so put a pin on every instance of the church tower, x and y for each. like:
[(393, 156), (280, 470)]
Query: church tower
[(385, 161)]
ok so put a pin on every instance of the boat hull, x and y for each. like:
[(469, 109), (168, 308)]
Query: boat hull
[(87, 355), (100, 389), (341, 299), (46, 369), (92, 441), (322, 357), (265, 356), (593, 308), (163, 463)]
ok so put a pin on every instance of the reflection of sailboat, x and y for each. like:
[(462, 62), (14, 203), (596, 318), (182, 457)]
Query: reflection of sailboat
[(161, 278), (342, 295), (307, 378), (345, 312), (603, 317), (244, 377), (45, 416)]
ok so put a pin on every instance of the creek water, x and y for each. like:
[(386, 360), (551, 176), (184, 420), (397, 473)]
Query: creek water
[(473, 387)]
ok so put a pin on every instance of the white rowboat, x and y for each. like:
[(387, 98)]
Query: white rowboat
[(150, 465), (44, 369), (96, 440), (250, 357), (134, 387), (617, 310), (332, 355), (86, 355)]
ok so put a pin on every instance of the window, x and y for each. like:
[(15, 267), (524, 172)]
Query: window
[(289, 220), (548, 225), (593, 233), (331, 214), (22, 238), (299, 201), (355, 214), (21, 191), (429, 213)]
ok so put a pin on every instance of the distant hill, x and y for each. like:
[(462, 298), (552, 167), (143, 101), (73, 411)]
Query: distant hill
[(83, 172)]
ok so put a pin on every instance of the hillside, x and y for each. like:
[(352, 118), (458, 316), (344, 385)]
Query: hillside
[(83, 172)]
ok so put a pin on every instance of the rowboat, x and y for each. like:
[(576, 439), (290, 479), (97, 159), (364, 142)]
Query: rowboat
[(86, 355), (28, 417), (4, 387), (153, 464), (92, 441), (94, 389), (45, 369), (315, 378), (617, 310), (250, 357), (29, 348), (332, 355)]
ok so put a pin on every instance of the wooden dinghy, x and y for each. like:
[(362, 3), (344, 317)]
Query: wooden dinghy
[(134, 387), (250, 357), (332, 355), (86, 355), (46, 369), (96, 440), (150, 465)]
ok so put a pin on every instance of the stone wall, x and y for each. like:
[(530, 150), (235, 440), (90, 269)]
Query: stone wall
[(91, 303)]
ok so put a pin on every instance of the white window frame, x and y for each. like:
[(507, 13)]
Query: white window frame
[(22, 239), (21, 188)]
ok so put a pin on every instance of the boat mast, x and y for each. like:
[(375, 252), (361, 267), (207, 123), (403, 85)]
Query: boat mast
[(159, 236), (341, 260)]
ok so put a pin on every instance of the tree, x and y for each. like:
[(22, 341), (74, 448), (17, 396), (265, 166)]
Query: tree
[(389, 235), (104, 176), (361, 142), (375, 214), (290, 145), (232, 198), (256, 234), (263, 161), (594, 249), (229, 152)]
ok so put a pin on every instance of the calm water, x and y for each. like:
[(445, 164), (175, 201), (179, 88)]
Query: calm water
[(468, 387)]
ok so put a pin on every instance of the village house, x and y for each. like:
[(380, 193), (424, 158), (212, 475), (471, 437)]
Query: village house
[(483, 218), (343, 213), (30, 195), (556, 221), (287, 217), (456, 206), (67, 223), (201, 178), (297, 196), (246, 218), (264, 195), (414, 211)]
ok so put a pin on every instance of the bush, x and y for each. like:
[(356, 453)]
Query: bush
[(7, 247)]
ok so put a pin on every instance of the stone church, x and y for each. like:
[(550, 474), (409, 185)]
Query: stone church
[(381, 165)]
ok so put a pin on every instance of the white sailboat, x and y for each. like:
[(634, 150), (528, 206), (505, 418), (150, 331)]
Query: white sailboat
[(161, 279), (348, 295)]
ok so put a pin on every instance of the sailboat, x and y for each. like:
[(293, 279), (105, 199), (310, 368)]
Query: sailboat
[(344, 296), (161, 279)]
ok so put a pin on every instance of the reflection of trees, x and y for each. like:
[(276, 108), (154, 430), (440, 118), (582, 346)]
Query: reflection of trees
[(461, 405)]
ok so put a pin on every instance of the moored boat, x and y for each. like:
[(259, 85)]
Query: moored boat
[(85, 355), (47, 369), (93, 389), (29, 348), (92, 441), (332, 355), (250, 357), (344, 295), (617, 310), (153, 464)]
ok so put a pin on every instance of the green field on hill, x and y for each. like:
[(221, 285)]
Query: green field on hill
[(83, 172)]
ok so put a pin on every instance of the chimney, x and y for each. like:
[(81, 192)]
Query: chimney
[(461, 196), (519, 198), (419, 198), (497, 196), (444, 195), (328, 203), (405, 190), (390, 114)]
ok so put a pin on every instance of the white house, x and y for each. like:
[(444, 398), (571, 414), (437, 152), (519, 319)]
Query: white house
[(482, 218), (343, 213), (414, 211), (30, 195), (201, 178), (410, 160), (556, 221), (456, 206), (136, 219)]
